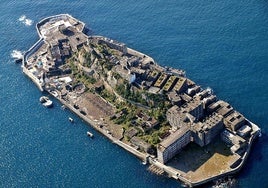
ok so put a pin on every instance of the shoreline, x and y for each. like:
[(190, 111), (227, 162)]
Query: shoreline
[(175, 173), (95, 125)]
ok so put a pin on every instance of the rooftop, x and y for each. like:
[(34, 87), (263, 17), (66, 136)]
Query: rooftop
[(173, 137)]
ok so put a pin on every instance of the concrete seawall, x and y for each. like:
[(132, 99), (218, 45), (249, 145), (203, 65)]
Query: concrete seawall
[(33, 78), (32, 50), (92, 123), (59, 16)]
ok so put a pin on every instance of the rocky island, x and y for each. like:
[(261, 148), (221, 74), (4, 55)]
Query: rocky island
[(156, 113)]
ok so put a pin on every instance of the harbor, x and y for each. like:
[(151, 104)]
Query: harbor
[(39, 68)]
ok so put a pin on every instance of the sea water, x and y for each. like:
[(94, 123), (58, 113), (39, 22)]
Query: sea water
[(220, 44)]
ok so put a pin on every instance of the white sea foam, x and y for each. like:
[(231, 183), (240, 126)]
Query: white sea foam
[(210, 90), (16, 54), (22, 18), (26, 21)]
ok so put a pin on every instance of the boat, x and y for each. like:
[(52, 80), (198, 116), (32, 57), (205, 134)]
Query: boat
[(89, 134), (71, 119), (46, 101)]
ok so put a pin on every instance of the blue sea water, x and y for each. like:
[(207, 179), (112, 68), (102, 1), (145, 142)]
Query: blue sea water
[(220, 44)]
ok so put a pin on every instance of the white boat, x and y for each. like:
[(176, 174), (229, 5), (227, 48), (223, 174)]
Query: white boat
[(46, 101), (71, 119), (89, 134)]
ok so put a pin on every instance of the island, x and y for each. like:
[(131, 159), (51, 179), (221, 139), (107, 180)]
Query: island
[(175, 126)]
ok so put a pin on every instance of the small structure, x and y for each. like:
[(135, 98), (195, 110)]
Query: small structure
[(244, 131), (174, 98), (131, 132), (142, 145)]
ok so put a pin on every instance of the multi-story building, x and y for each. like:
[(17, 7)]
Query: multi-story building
[(236, 142), (170, 146), (181, 85), (194, 107), (221, 107), (204, 132), (234, 121), (170, 83), (174, 98), (113, 44), (160, 82), (173, 116)]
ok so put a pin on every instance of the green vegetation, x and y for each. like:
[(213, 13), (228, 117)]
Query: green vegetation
[(108, 96), (80, 76), (126, 92), (153, 137), (136, 100), (116, 75), (104, 49), (126, 115)]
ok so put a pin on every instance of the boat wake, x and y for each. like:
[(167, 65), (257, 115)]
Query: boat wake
[(26, 21)]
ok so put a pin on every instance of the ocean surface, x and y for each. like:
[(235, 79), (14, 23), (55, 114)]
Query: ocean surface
[(220, 44)]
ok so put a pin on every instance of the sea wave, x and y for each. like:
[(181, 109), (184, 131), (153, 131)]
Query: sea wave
[(22, 18), (16, 54), (26, 21)]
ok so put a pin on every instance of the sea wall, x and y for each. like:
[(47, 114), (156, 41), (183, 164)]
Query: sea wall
[(138, 154), (33, 78), (32, 50), (56, 17), (233, 171)]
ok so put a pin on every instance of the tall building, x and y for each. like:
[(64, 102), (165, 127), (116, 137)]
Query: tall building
[(234, 121), (221, 107), (194, 107), (173, 116), (169, 147), (204, 132)]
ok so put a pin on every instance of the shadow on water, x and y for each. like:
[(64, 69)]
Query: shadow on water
[(88, 31)]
